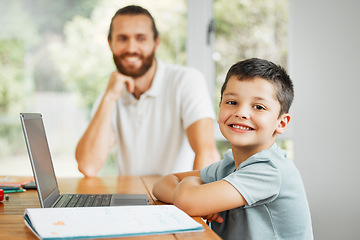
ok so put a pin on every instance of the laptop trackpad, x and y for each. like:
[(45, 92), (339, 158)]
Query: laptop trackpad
[(129, 199)]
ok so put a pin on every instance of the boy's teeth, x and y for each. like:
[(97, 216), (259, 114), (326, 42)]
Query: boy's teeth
[(241, 127)]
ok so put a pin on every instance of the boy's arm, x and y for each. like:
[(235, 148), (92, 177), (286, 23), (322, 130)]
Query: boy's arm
[(164, 188), (199, 199), (188, 192)]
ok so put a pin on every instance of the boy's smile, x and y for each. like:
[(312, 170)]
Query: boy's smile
[(249, 114), (241, 127)]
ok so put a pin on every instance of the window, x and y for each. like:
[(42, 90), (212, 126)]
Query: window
[(54, 59), (246, 29), (222, 32)]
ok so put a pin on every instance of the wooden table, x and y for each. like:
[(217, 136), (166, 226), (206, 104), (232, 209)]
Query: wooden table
[(12, 211)]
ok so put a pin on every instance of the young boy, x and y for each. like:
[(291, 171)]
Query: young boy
[(255, 192)]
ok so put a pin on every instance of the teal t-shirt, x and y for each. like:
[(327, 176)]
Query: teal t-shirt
[(272, 186)]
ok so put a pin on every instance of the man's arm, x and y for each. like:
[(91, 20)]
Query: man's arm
[(188, 192), (94, 146), (201, 138)]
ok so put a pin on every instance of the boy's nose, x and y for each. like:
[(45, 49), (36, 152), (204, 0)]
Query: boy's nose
[(243, 113)]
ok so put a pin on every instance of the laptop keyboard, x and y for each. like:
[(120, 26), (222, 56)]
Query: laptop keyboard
[(84, 200)]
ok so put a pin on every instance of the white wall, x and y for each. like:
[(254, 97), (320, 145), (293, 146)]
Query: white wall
[(324, 62)]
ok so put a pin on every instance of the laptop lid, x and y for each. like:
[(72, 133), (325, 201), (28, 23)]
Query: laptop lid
[(43, 169), (40, 158)]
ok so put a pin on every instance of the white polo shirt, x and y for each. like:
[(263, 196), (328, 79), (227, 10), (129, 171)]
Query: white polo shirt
[(151, 137)]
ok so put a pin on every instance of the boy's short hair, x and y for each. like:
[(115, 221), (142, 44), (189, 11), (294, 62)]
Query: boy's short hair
[(134, 10), (275, 74)]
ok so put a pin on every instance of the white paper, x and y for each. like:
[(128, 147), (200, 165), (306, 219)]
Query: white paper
[(109, 221)]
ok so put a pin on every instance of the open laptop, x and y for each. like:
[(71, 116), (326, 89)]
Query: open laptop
[(44, 174)]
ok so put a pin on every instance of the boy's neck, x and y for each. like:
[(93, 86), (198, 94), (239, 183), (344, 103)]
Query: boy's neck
[(241, 154)]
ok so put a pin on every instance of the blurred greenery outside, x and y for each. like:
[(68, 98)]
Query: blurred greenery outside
[(62, 48), (10, 92)]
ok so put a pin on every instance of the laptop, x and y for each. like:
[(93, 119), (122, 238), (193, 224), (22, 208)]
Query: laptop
[(45, 179)]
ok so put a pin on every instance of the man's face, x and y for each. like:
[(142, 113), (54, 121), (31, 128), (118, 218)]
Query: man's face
[(132, 44)]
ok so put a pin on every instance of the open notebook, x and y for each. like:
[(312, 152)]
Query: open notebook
[(44, 174), (105, 222)]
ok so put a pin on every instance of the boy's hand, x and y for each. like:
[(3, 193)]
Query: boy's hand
[(213, 217)]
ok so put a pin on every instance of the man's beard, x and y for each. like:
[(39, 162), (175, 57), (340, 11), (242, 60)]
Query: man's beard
[(134, 72)]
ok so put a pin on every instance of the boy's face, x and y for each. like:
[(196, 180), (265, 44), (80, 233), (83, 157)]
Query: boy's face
[(249, 114)]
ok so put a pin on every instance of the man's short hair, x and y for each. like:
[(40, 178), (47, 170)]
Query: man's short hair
[(134, 10), (275, 74)]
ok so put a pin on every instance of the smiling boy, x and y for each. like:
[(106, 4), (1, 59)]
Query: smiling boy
[(255, 192)]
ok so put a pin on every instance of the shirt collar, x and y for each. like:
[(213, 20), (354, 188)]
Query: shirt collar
[(264, 155), (157, 82)]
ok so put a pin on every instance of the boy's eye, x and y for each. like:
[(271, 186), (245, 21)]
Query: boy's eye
[(259, 107), (231, 102)]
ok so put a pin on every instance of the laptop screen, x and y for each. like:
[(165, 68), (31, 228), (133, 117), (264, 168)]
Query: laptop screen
[(39, 154)]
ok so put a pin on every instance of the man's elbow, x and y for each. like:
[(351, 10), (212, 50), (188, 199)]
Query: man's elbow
[(84, 166), (86, 171)]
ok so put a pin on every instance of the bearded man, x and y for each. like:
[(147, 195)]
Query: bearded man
[(159, 116)]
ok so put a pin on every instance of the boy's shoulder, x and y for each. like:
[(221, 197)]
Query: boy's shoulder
[(271, 158), (219, 169), (273, 154)]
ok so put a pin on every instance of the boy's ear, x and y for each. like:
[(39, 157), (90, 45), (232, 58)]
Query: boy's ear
[(218, 114), (283, 124)]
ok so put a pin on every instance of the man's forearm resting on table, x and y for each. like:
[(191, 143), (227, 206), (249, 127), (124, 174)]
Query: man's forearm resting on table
[(94, 146)]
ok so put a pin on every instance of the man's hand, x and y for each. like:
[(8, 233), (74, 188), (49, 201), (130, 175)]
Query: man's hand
[(116, 84)]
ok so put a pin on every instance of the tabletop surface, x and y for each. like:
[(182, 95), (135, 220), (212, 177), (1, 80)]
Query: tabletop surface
[(12, 224)]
